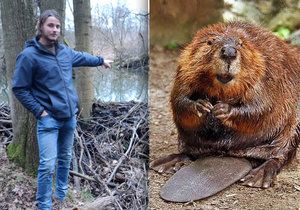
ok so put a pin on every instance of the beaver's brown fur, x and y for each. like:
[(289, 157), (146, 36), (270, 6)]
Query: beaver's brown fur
[(237, 93)]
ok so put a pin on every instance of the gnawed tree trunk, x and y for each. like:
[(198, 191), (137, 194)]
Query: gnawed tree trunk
[(18, 24), (59, 6), (82, 21)]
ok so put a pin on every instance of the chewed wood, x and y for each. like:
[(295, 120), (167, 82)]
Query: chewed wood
[(204, 177)]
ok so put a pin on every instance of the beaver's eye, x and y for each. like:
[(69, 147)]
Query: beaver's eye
[(240, 42), (209, 42)]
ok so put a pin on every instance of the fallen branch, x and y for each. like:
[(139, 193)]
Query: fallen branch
[(83, 176), (125, 155), (100, 203)]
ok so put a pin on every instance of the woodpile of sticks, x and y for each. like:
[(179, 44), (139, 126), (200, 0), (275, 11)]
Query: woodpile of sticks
[(140, 63), (6, 133), (110, 156), (111, 152)]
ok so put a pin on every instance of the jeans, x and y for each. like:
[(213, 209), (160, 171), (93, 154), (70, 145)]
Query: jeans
[(55, 140)]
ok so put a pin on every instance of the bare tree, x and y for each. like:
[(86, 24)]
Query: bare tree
[(123, 35), (3, 81), (117, 27), (18, 23), (82, 21)]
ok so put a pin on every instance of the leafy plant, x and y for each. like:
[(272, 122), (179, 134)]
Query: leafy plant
[(283, 32)]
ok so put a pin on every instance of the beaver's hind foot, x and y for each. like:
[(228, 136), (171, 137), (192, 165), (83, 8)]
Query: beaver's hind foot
[(262, 176), (169, 164)]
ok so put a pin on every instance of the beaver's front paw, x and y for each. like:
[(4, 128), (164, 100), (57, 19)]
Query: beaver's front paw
[(262, 176), (222, 111), (203, 106)]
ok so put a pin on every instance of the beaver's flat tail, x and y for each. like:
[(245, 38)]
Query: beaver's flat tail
[(204, 177)]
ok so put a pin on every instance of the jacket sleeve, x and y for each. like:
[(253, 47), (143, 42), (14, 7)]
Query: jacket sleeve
[(21, 85), (85, 59)]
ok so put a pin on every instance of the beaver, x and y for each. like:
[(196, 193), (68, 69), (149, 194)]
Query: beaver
[(236, 93)]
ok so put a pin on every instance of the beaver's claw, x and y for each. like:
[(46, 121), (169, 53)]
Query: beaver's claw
[(222, 111), (169, 164), (262, 176), (203, 106)]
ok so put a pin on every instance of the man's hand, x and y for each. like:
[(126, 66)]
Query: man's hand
[(107, 63)]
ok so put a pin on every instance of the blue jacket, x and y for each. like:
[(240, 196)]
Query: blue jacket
[(43, 80)]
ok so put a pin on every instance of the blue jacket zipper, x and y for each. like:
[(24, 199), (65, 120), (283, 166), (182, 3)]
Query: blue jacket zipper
[(60, 72)]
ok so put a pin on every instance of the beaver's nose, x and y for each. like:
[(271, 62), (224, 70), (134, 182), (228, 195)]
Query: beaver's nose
[(228, 53)]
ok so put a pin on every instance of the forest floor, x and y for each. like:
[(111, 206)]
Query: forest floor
[(283, 196), (17, 190)]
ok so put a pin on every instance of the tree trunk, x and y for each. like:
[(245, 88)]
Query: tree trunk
[(59, 6), (18, 24), (83, 38)]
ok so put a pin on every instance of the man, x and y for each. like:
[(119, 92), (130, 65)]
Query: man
[(42, 82)]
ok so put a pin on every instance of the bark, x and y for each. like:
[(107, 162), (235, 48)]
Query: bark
[(59, 6), (100, 203), (83, 38), (18, 25)]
